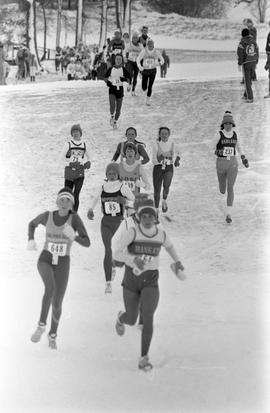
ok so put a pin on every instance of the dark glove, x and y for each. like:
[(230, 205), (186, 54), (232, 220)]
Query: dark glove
[(160, 158), (90, 214), (109, 84), (87, 165), (177, 161), (179, 266), (244, 161), (123, 79)]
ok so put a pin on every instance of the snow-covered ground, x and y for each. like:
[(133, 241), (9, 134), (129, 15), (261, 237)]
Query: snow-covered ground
[(209, 348)]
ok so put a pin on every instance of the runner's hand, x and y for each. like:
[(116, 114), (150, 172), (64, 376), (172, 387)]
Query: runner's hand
[(244, 161), (90, 214), (139, 263), (87, 165), (31, 245), (177, 161)]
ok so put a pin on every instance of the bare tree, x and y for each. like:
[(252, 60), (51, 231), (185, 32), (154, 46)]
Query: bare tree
[(258, 7), (58, 23), (103, 23), (79, 22)]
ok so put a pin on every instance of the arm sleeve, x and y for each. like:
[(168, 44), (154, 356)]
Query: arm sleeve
[(154, 154), (82, 237), (144, 177), (239, 150), (139, 58), (127, 74), (143, 154), (62, 156), (117, 153), (121, 239), (96, 199), (127, 193), (168, 245), (40, 219), (176, 150), (87, 152), (160, 58), (240, 54)]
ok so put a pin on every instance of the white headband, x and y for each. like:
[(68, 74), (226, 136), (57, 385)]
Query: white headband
[(66, 195)]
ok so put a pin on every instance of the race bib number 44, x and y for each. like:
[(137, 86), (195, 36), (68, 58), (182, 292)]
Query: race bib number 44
[(58, 249), (112, 208), (228, 151)]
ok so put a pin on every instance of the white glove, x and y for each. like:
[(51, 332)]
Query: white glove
[(69, 232), (140, 184), (31, 245)]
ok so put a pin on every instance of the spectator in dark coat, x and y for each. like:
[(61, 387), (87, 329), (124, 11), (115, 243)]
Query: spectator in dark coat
[(267, 66), (166, 64), (248, 56), (253, 32)]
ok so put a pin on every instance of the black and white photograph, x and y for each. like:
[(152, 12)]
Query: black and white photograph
[(135, 170)]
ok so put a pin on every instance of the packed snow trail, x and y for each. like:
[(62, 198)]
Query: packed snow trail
[(207, 349)]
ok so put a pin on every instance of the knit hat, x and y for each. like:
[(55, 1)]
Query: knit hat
[(146, 207), (227, 118), (65, 193), (245, 32), (113, 166), (76, 127)]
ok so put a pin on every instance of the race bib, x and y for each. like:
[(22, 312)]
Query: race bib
[(117, 51), (149, 63), (228, 151), (58, 249), (112, 208), (130, 184)]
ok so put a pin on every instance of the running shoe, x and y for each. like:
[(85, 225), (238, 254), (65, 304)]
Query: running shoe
[(115, 124), (120, 327), (38, 333), (52, 341), (228, 219), (112, 120), (144, 364), (164, 206), (108, 288), (148, 101)]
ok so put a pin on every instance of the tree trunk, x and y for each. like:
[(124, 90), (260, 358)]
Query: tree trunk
[(44, 31), (58, 24), (32, 30), (79, 22), (118, 14), (103, 23), (35, 31)]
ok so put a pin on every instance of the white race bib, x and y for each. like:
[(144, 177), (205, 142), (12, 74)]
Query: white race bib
[(117, 51), (111, 208), (149, 63), (228, 151), (56, 248)]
